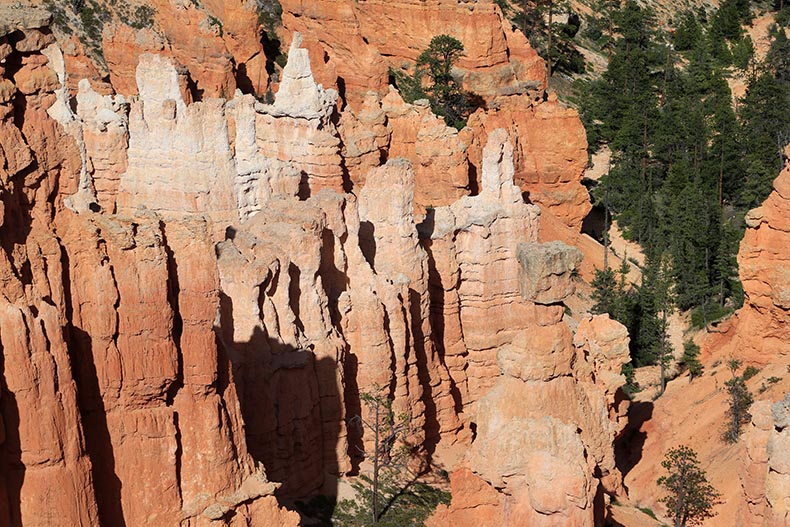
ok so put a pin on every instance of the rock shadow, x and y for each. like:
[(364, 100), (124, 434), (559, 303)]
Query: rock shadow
[(291, 407), (98, 443), (12, 470), (628, 448), (367, 242), (436, 291)]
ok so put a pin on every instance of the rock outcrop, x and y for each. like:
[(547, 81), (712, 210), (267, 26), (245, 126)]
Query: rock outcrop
[(553, 396), (353, 44), (194, 304), (217, 43), (550, 151), (113, 387), (761, 327), (362, 40)]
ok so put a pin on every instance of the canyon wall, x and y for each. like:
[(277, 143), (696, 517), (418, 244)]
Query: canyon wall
[(199, 290)]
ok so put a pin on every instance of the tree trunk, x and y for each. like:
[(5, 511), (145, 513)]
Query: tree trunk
[(548, 45), (376, 454)]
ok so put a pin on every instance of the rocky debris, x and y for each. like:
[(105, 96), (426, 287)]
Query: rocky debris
[(258, 178), (539, 362), (179, 157), (765, 478), (473, 248), (366, 138), (299, 95)]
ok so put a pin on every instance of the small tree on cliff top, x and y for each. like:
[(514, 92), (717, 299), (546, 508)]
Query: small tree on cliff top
[(690, 498), (433, 80)]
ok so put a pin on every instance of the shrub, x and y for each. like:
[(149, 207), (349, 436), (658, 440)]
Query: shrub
[(750, 372)]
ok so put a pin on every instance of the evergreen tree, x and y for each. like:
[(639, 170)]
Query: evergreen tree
[(739, 402), (604, 293), (765, 123), (690, 359), (688, 34), (690, 498)]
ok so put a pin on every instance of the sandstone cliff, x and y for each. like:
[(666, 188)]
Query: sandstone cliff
[(194, 301)]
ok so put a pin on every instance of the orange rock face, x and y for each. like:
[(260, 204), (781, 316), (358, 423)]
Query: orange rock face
[(218, 44), (196, 303), (361, 41), (550, 152), (113, 387)]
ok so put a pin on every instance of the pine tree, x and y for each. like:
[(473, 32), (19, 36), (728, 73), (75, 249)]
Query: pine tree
[(739, 402), (690, 359), (690, 498)]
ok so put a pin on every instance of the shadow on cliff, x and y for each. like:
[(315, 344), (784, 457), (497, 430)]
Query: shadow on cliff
[(12, 473), (94, 414), (291, 406), (628, 448), (97, 433), (437, 310)]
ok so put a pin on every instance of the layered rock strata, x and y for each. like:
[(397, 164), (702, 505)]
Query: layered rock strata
[(113, 388), (195, 305), (362, 40)]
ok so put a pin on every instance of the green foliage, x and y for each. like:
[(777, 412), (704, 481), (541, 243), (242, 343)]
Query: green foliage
[(690, 499), (690, 359), (60, 19), (765, 125), (533, 16), (387, 454), (141, 17), (216, 23), (710, 312), (739, 402), (685, 166), (655, 296), (433, 80), (406, 504), (605, 293), (688, 34), (631, 386), (648, 511), (270, 14), (750, 372), (503, 5)]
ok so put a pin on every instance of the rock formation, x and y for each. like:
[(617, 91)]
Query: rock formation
[(114, 389), (362, 40), (193, 301), (550, 151)]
